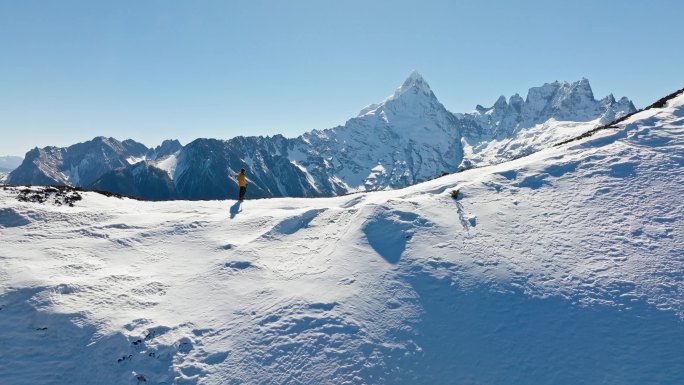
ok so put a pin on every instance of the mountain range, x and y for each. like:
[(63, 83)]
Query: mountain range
[(9, 163), (407, 138)]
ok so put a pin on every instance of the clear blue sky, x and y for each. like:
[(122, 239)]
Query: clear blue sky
[(151, 70)]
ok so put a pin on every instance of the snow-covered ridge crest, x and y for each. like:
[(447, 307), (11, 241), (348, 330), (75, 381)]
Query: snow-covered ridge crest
[(414, 86)]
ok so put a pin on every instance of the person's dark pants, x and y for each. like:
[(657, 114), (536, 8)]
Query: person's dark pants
[(243, 190)]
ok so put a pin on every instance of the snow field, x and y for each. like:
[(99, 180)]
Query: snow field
[(562, 267)]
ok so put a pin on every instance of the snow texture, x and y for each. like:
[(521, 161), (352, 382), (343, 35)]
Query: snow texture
[(562, 267)]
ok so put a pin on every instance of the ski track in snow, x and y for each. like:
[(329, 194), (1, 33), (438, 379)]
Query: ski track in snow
[(562, 267)]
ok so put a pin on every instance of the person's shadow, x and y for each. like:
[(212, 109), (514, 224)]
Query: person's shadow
[(235, 209)]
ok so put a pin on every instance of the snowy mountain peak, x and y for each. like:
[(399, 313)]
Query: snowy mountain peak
[(561, 101), (413, 82), (582, 89), (516, 102), (501, 102), (584, 82), (414, 91), (167, 148), (549, 113), (610, 99)]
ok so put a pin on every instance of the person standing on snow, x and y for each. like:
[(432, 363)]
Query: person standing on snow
[(242, 182)]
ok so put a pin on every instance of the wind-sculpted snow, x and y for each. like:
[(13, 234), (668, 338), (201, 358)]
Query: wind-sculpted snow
[(388, 232), (563, 267), (11, 218), (293, 224)]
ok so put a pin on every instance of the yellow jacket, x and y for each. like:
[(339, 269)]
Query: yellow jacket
[(242, 180)]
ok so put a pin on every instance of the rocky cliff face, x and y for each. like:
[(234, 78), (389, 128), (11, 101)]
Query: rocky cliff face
[(407, 138)]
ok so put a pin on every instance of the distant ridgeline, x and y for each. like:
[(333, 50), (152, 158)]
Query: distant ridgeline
[(407, 138), (9, 163)]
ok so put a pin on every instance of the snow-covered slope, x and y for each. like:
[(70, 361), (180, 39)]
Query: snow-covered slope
[(562, 267)]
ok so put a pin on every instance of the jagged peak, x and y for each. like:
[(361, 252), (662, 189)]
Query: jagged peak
[(561, 90), (516, 100), (500, 105), (104, 139), (414, 81), (501, 102), (414, 78), (414, 84), (610, 99), (168, 142), (582, 86)]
